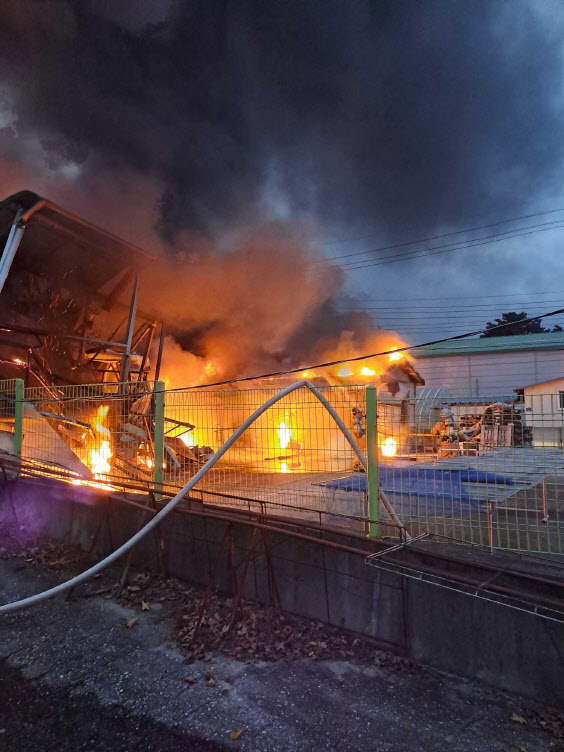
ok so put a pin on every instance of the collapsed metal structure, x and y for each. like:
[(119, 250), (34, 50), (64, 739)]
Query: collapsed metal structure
[(69, 298)]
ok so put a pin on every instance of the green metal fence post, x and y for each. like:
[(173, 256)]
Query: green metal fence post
[(159, 434), (373, 480), (18, 417)]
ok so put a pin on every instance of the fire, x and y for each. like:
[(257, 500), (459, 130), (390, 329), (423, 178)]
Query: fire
[(365, 371), (389, 447), (395, 355), (18, 361), (100, 456), (187, 438), (100, 460), (284, 435), (210, 368), (344, 372)]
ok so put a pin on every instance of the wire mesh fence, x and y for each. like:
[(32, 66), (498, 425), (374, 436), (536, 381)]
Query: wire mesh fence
[(477, 471), (8, 443), (97, 433), (465, 469), (282, 461)]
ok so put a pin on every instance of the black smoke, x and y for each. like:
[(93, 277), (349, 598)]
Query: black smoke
[(393, 115)]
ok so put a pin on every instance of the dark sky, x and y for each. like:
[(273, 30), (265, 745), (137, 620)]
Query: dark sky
[(362, 123)]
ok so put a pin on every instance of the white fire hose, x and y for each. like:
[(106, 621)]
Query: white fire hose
[(165, 511)]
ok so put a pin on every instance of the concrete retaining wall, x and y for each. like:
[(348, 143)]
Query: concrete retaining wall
[(465, 635)]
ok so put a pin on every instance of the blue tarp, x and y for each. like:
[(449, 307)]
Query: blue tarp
[(424, 491)]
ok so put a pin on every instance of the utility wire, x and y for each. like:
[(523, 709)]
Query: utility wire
[(327, 364), (475, 297), (434, 251), (434, 237), (453, 246), (488, 306), (360, 357)]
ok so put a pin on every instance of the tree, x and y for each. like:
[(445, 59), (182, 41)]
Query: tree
[(515, 323)]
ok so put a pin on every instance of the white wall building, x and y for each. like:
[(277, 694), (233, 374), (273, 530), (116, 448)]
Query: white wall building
[(492, 366), (544, 412)]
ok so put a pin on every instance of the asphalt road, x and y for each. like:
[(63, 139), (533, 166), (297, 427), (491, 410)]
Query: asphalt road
[(76, 677)]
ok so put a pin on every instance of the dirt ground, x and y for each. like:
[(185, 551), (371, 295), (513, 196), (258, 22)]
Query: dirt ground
[(98, 673)]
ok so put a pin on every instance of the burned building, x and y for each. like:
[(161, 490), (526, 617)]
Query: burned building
[(68, 302)]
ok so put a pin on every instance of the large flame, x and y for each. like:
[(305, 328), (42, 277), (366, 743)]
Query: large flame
[(389, 447), (101, 453), (97, 452), (284, 434), (365, 371), (395, 355)]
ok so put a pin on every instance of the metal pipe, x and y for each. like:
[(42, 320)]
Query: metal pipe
[(126, 357), (372, 471), (159, 354), (56, 335), (11, 247)]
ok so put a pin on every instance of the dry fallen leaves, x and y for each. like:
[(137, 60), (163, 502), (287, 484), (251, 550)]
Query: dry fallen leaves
[(144, 606), (210, 682), (235, 733), (522, 749), (518, 718), (132, 622)]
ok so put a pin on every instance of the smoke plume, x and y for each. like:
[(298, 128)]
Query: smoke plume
[(217, 118)]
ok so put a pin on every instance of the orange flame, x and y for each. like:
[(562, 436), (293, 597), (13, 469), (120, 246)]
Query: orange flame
[(365, 371), (100, 456)]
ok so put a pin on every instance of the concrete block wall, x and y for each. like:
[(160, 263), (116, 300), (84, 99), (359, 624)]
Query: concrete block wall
[(467, 636)]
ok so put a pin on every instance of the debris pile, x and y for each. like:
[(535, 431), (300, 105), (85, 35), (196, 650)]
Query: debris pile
[(257, 633), (54, 556)]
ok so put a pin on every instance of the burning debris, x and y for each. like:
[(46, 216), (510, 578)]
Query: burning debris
[(70, 309)]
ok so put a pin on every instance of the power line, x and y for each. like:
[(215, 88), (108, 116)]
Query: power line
[(433, 252), (328, 364), (466, 315), (476, 297), (488, 306), (436, 237), (451, 245)]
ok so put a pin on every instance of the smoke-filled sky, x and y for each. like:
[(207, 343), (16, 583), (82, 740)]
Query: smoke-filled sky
[(352, 125)]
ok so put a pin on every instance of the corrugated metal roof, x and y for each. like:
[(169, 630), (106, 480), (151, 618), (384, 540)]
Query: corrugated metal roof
[(545, 341)]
